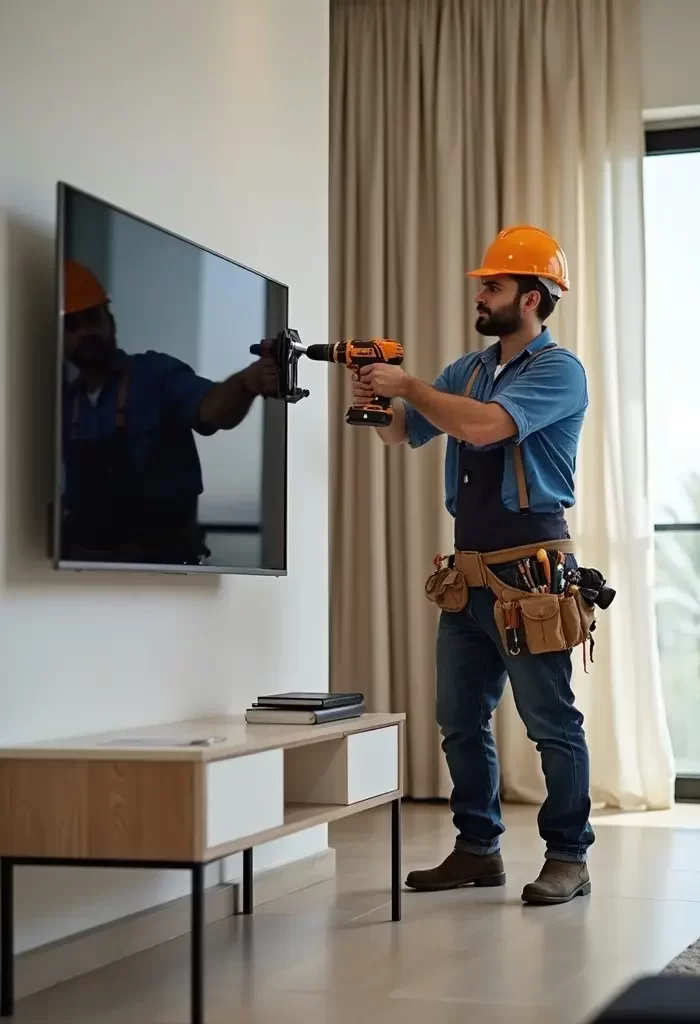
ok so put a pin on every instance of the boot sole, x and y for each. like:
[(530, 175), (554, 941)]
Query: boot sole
[(583, 890), (478, 883)]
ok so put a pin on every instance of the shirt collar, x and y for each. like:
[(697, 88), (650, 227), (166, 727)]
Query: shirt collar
[(489, 357), (542, 339)]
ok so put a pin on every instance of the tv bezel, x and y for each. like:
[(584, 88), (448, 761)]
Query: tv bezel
[(64, 565)]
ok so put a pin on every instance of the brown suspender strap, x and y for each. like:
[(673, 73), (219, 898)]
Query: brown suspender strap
[(523, 501), (472, 380), (75, 417), (122, 397)]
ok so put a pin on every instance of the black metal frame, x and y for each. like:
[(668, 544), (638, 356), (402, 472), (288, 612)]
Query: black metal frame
[(676, 527), (396, 859), (7, 939), (668, 142), (247, 881), (197, 871)]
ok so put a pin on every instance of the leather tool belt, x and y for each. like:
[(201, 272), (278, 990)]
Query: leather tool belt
[(546, 618)]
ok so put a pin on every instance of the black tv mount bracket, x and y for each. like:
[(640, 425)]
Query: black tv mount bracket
[(285, 349)]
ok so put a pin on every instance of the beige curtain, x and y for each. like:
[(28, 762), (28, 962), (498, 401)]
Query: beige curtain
[(451, 119)]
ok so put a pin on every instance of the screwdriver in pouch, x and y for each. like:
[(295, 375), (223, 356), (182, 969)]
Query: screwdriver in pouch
[(527, 580), (543, 559), (529, 575), (512, 631)]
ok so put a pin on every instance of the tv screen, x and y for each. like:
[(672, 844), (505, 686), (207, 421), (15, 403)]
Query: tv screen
[(170, 457)]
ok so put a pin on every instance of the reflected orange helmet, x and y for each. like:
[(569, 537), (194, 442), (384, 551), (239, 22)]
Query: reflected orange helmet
[(81, 289), (525, 250)]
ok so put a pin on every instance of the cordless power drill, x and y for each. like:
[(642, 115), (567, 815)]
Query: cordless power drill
[(377, 412), (286, 348)]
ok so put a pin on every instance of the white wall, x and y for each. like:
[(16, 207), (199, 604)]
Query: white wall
[(671, 68), (211, 119)]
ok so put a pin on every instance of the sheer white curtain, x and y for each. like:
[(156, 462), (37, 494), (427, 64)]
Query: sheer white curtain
[(451, 120)]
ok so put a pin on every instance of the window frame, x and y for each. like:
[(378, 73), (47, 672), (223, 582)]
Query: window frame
[(670, 141)]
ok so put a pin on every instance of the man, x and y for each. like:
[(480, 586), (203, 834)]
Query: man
[(132, 475), (526, 392)]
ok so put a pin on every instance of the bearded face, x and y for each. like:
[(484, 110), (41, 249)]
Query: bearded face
[(499, 307), (89, 339)]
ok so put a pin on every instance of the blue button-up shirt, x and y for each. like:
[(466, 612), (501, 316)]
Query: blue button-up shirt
[(162, 411), (547, 401)]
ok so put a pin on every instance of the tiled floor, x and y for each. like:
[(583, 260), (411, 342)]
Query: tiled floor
[(330, 954)]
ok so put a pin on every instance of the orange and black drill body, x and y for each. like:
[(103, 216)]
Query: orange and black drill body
[(354, 355)]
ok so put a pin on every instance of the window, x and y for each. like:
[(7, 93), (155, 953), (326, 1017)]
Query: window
[(672, 227)]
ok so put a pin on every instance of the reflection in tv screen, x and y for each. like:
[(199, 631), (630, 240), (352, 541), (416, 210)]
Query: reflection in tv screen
[(172, 442)]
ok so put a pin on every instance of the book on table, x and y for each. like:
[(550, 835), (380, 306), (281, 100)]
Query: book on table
[(260, 714), (298, 699)]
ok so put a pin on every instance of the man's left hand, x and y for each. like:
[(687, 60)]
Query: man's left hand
[(386, 381)]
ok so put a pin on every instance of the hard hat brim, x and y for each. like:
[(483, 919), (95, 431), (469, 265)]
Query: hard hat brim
[(82, 307), (490, 272)]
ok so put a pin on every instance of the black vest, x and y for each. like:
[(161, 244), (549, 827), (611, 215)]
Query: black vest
[(482, 521)]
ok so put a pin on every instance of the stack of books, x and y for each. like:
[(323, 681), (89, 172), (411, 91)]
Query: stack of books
[(305, 708)]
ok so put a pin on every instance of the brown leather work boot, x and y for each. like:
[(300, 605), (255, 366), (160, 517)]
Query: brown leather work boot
[(559, 881), (459, 870)]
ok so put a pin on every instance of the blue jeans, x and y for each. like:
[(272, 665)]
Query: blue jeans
[(472, 669)]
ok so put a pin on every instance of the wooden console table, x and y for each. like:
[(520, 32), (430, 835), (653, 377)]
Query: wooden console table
[(150, 798)]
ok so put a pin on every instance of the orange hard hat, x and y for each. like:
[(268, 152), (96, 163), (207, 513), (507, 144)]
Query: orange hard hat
[(81, 289), (525, 250)]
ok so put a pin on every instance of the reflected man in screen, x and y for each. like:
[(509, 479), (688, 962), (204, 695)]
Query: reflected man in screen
[(132, 475)]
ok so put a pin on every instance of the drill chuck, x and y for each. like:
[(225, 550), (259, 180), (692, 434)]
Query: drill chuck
[(322, 353)]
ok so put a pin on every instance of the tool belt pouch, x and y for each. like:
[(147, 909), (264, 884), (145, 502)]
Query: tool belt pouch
[(577, 617), (546, 622), (447, 588)]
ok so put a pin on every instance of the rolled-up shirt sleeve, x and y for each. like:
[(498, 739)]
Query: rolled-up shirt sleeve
[(551, 390), (419, 430)]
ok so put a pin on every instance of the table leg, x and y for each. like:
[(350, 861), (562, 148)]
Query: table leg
[(7, 939), (248, 881), (197, 941), (396, 860)]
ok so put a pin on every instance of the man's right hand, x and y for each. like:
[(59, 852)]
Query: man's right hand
[(361, 391), (262, 378)]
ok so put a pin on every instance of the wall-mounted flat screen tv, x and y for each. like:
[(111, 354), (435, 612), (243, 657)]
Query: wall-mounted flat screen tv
[(169, 455)]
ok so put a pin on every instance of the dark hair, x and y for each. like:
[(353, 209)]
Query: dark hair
[(529, 283)]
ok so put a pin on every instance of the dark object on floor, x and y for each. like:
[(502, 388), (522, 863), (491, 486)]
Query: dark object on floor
[(458, 871), (664, 999), (559, 881)]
